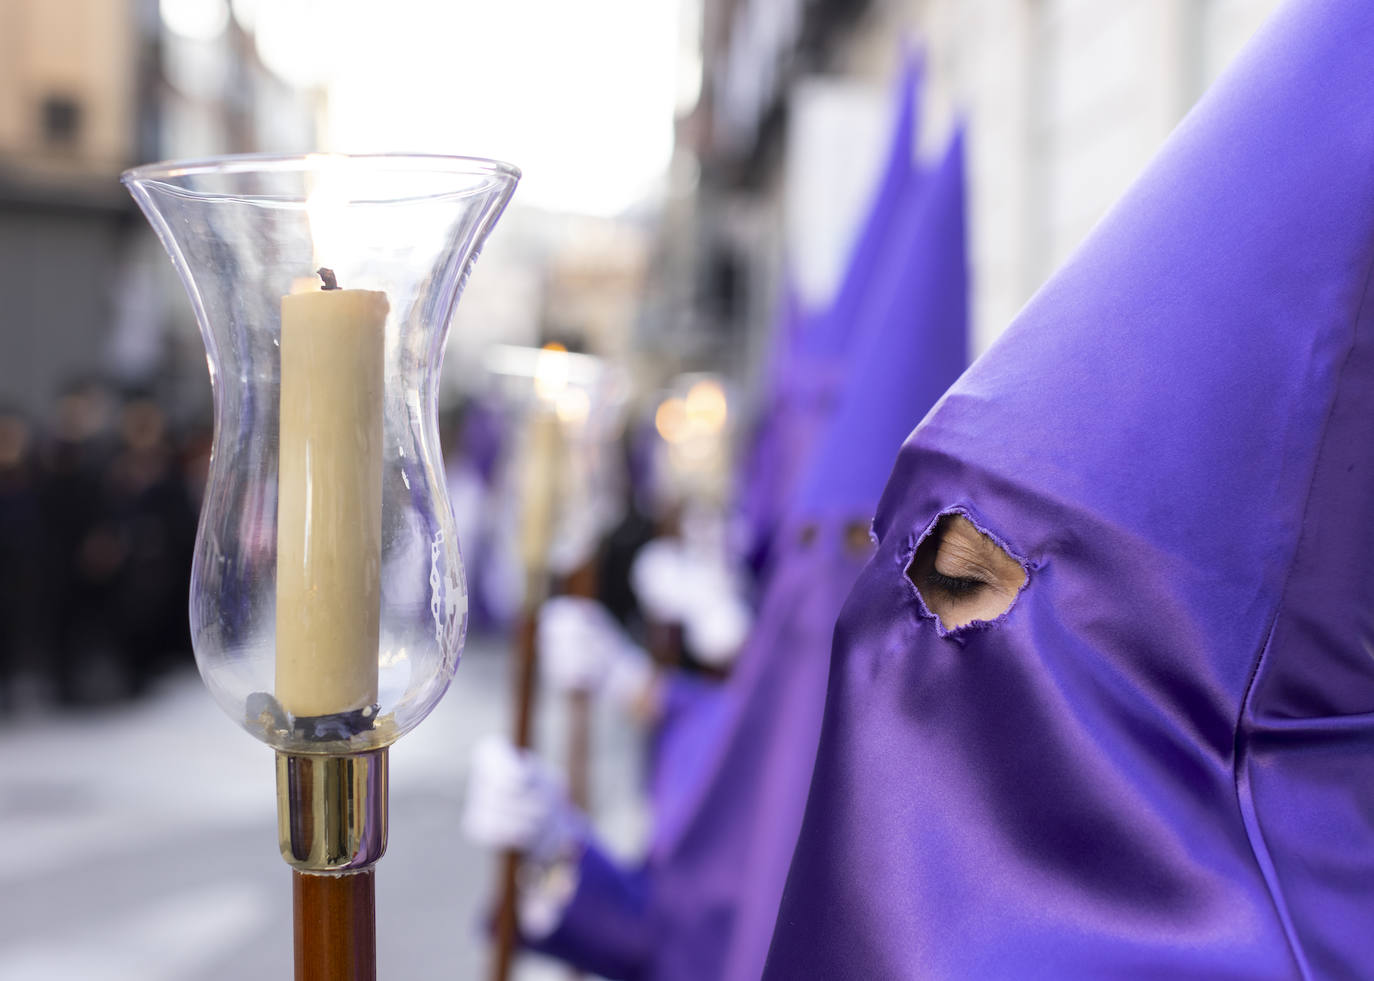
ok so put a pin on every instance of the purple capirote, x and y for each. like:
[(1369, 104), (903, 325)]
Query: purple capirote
[(804, 382), (763, 467), (1160, 762), (704, 904), (805, 388)]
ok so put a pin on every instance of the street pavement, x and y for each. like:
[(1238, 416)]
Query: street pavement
[(139, 841)]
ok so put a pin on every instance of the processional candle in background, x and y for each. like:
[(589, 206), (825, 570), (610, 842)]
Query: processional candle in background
[(556, 394), (328, 603)]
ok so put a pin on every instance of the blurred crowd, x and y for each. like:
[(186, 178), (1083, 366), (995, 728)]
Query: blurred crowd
[(98, 505), (99, 499)]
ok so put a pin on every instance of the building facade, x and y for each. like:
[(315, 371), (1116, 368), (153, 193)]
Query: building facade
[(1064, 101), (87, 89)]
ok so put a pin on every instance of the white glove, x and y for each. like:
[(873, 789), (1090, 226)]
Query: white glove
[(656, 577), (514, 802), (716, 627), (578, 642), (716, 619), (575, 539), (695, 587)]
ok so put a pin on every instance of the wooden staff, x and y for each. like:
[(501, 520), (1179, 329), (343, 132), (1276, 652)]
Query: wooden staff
[(664, 638), (524, 664), (581, 582), (665, 643), (579, 748), (539, 487), (336, 926), (331, 828)]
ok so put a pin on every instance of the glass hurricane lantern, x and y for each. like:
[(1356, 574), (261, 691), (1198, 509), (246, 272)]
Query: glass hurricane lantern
[(328, 603)]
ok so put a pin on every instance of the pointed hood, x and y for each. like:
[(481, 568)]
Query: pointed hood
[(763, 464), (1160, 761), (829, 335), (809, 387), (913, 330)]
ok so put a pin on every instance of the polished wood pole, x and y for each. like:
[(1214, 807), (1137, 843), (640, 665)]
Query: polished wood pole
[(579, 748), (581, 582), (538, 479), (524, 664), (336, 926), (665, 643), (579, 756)]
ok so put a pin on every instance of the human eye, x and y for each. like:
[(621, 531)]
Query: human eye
[(962, 575), (953, 586)]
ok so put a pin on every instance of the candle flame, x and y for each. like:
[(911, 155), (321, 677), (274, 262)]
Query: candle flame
[(706, 405), (573, 406), (671, 420), (326, 208), (551, 373)]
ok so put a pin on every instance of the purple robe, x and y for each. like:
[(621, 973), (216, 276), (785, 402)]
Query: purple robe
[(1159, 763), (692, 708), (704, 904)]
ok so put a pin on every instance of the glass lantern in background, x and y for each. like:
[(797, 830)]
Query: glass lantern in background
[(587, 397), (328, 602)]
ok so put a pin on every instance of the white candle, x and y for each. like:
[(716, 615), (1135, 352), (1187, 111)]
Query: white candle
[(329, 500), (539, 490)]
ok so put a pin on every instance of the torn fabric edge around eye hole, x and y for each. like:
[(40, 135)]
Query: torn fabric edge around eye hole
[(908, 557)]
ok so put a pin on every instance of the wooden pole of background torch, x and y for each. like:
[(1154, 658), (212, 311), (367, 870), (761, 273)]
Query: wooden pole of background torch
[(579, 748), (524, 667), (582, 582), (539, 490)]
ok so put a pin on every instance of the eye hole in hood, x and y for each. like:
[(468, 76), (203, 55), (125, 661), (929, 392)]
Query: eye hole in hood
[(962, 575)]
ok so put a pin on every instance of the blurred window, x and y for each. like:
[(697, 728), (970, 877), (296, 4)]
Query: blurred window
[(61, 120)]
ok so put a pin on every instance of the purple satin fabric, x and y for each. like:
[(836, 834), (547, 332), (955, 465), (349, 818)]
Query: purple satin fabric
[(886, 393), (811, 399), (608, 927), (693, 709), (758, 794), (764, 464), (1160, 762), (719, 861), (831, 335), (728, 850)]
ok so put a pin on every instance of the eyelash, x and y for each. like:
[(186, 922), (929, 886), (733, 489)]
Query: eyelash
[(955, 587)]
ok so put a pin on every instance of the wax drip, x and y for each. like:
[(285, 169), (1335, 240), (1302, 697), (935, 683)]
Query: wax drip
[(326, 274)]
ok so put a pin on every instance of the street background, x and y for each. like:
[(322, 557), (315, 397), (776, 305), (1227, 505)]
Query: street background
[(140, 840)]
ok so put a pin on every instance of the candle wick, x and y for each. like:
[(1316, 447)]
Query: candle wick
[(326, 274)]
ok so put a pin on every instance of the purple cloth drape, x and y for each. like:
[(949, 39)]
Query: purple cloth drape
[(1160, 762)]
